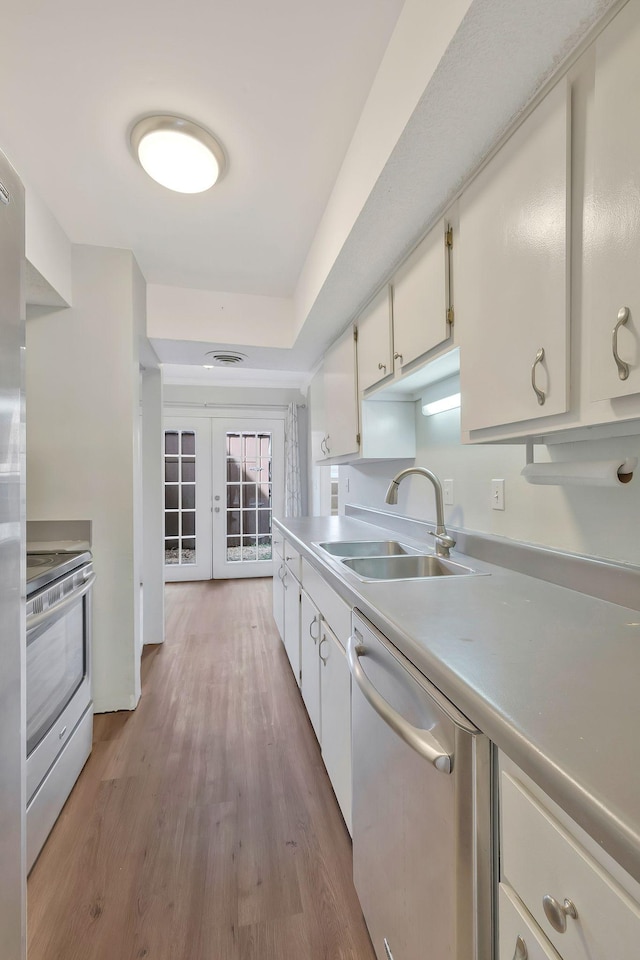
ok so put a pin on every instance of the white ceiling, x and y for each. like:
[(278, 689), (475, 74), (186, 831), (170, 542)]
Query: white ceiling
[(282, 84)]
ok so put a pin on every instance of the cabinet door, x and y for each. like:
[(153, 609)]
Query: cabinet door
[(335, 712), (374, 350), (340, 399), (317, 419), (310, 626), (278, 596), (512, 294), (613, 212), (421, 298), (292, 622)]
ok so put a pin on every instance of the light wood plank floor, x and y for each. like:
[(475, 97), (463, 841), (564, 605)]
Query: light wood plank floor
[(203, 826)]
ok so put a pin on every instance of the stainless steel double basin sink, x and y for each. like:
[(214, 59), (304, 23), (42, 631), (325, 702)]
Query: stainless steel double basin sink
[(391, 560)]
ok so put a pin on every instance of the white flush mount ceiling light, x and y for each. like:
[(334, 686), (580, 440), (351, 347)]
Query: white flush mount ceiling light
[(178, 153)]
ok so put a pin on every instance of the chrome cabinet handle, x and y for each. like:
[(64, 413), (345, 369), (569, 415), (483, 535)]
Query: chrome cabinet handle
[(540, 394), (419, 740), (315, 620), (323, 445), (281, 572), (557, 913), (397, 356), (521, 952), (324, 659), (623, 368), (382, 366), (327, 444)]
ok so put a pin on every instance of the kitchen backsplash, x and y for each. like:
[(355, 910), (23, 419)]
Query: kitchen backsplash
[(602, 522)]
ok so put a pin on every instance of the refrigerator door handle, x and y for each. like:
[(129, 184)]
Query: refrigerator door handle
[(419, 740)]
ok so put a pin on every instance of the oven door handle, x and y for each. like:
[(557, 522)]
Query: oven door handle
[(419, 740), (35, 619)]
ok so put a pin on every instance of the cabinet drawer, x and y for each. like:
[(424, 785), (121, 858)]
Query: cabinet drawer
[(332, 607), (539, 858), (278, 544), (293, 559), (515, 922)]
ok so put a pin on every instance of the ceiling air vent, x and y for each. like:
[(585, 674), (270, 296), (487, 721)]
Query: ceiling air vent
[(222, 358)]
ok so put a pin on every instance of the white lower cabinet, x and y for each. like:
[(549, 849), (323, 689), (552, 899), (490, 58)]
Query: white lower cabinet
[(519, 936), (279, 569), (574, 906), (325, 624), (335, 711), (292, 621), (310, 630)]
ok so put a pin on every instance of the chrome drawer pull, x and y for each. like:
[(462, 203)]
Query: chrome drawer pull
[(521, 952), (315, 620), (324, 659), (557, 913), (419, 740), (540, 394), (623, 368)]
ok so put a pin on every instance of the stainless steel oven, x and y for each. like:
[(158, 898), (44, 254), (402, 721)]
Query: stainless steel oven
[(58, 685)]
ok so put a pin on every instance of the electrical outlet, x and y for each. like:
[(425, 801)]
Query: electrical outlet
[(447, 490), (497, 494)]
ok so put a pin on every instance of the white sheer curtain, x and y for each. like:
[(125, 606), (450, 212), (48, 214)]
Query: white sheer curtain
[(292, 491)]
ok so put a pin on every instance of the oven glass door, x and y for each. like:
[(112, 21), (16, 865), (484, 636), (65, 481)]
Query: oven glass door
[(56, 666)]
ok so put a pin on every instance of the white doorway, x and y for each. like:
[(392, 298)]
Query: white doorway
[(224, 481)]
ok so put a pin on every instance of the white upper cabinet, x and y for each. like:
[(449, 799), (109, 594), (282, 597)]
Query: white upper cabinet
[(512, 291), (613, 210), (340, 398), (422, 308), (375, 348)]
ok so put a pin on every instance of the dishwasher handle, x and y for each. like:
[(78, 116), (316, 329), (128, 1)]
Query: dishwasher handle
[(419, 740)]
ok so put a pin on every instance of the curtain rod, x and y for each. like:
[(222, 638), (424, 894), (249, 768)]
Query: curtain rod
[(205, 404)]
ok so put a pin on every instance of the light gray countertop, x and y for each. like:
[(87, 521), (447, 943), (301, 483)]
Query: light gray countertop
[(550, 674)]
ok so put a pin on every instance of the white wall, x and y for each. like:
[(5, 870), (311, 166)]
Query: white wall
[(47, 248), (596, 521), (152, 507), (82, 398), (421, 36)]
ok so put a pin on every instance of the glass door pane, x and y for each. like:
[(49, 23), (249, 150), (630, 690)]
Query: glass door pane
[(180, 497), (248, 496)]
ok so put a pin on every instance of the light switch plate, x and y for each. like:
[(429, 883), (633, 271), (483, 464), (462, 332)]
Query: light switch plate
[(447, 490), (497, 494)]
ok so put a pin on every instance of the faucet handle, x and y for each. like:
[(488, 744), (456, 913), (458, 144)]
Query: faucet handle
[(444, 541)]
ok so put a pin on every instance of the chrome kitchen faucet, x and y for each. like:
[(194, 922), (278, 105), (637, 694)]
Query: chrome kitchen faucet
[(443, 541)]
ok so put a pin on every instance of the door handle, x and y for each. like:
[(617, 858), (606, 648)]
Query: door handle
[(623, 368), (324, 659), (419, 740), (540, 394)]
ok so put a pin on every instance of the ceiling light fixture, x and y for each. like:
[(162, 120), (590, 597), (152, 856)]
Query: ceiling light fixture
[(177, 153)]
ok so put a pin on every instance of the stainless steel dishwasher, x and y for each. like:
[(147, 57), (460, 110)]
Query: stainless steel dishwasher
[(421, 810)]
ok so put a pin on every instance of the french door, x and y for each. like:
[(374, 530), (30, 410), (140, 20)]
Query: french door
[(248, 488), (187, 499), (224, 480)]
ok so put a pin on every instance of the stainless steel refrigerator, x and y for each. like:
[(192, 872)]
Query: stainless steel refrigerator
[(12, 569)]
